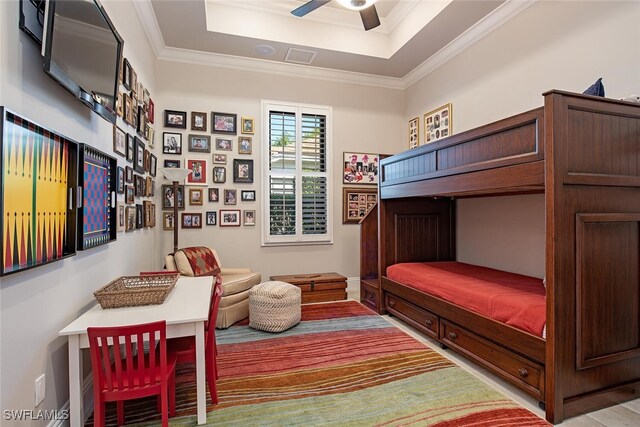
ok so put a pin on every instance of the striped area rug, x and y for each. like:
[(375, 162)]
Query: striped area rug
[(343, 365)]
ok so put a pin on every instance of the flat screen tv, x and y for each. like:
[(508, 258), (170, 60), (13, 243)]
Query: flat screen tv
[(82, 52)]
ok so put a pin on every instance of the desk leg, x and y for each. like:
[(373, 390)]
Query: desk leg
[(75, 383), (200, 374)]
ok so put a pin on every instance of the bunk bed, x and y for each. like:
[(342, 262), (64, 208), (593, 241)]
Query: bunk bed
[(583, 153)]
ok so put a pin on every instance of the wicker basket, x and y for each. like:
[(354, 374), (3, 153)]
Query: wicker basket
[(130, 291)]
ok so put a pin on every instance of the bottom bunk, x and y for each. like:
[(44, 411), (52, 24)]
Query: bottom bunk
[(494, 318)]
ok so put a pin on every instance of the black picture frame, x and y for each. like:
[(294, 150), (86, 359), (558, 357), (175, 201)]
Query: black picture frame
[(138, 155), (167, 196), (243, 171), (199, 143), (128, 174), (120, 180), (171, 163), (175, 119), (139, 216), (138, 184), (126, 73), (212, 217), (224, 123), (153, 167), (171, 143), (248, 195)]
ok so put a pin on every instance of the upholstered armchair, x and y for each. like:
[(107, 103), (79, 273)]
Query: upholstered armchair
[(236, 282)]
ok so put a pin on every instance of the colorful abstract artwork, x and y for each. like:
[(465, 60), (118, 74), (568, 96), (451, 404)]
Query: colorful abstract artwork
[(98, 181), (38, 172)]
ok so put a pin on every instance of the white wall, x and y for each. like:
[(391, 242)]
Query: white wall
[(365, 119), (36, 304), (552, 45)]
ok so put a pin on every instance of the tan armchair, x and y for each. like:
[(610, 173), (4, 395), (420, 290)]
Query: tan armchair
[(236, 282)]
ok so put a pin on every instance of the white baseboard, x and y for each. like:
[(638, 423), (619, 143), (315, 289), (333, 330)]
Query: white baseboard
[(87, 404)]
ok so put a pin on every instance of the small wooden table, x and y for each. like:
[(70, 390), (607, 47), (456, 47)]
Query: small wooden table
[(318, 287)]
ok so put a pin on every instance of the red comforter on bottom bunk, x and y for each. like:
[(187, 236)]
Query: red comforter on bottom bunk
[(510, 298)]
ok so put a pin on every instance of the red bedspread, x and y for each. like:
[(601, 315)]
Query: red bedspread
[(510, 298)]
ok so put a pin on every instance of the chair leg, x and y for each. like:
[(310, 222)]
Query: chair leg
[(211, 380), (172, 395), (120, 406), (98, 412), (164, 410)]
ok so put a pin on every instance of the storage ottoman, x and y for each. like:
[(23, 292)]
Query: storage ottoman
[(274, 306)]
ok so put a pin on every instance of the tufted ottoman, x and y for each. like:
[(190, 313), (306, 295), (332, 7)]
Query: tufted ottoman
[(274, 306)]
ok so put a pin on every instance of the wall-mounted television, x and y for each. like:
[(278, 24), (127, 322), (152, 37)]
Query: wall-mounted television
[(82, 51)]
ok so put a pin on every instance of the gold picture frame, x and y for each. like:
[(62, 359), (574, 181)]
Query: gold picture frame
[(438, 124), (356, 203)]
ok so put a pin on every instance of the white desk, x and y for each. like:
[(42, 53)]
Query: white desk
[(185, 310)]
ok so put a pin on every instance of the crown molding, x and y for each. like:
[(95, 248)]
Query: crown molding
[(508, 10), (501, 15), (279, 68)]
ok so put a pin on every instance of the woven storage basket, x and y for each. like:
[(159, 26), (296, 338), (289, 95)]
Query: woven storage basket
[(130, 291)]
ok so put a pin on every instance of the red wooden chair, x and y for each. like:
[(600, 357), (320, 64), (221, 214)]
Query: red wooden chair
[(184, 348), (123, 371)]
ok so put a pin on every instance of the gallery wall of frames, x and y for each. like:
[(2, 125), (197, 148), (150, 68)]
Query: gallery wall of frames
[(217, 147)]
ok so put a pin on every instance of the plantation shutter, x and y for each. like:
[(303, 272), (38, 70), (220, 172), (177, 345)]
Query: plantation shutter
[(298, 183)]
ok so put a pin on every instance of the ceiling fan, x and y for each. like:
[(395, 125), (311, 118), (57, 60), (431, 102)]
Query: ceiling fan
[(367, 10)]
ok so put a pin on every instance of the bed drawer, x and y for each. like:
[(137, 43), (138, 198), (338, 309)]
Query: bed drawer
[(523, 373), (422, 319)]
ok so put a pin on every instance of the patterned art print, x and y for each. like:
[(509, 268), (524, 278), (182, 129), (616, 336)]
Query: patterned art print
[(35, 168), (96, 210)]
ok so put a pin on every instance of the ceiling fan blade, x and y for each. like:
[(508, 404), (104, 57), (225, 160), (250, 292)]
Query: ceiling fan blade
[(370, 17), (309, 7)]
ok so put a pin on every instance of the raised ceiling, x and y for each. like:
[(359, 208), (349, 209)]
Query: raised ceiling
[(413, 38)]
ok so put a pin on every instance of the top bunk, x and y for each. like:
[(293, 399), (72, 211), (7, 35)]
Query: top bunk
[(506, 156)]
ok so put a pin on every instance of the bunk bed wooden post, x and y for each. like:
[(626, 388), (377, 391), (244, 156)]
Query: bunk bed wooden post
[(583, 152)]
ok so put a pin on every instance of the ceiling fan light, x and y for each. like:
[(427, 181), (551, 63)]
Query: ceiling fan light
[(356, 4)]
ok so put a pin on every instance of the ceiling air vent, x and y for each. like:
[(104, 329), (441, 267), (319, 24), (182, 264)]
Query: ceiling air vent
[(300, 56)]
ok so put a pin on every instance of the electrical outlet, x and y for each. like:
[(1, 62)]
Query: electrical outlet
[(40, 389)]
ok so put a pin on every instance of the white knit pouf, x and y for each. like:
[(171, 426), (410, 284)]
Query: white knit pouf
[(274, 306)]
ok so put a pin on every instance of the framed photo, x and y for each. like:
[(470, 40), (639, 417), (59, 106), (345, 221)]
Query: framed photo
[(195, 196), (438, 124), (153, 165), (139, 185), (119, 141), (244, 145), (126, 108), (150, 134), (171, 143), (249, 218), (230, 196), (128, 174), (219, 159), (131, 146), (120, 180), (139, 216), (175, 119), (414, 132), (172, 163), (167, 196), (248, 195), (223, 123), (120, 105), (149, 187), (126, 73), (214, 195), (167, 221), (130, 225), (138, 156), (360, 168), (219, 175), (146, 96), (198, 121), (356, 202), (129, 194), (243, 171), (122, 216), (199, 143), (151, 112), (191, 220), (224, 144), (134, 81), (198, 175), (212, 217), (230, 218), (147, 160), (247, 125)]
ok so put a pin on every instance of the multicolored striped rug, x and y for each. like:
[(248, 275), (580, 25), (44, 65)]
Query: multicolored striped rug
[(343, 365)]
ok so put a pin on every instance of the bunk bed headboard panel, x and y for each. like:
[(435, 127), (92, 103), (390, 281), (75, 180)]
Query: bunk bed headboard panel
[(418, 229)]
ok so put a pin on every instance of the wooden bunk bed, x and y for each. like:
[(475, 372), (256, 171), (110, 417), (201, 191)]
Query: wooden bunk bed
[(583, 153)]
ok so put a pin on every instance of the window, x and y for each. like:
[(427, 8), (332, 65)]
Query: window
[(297, 167)]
